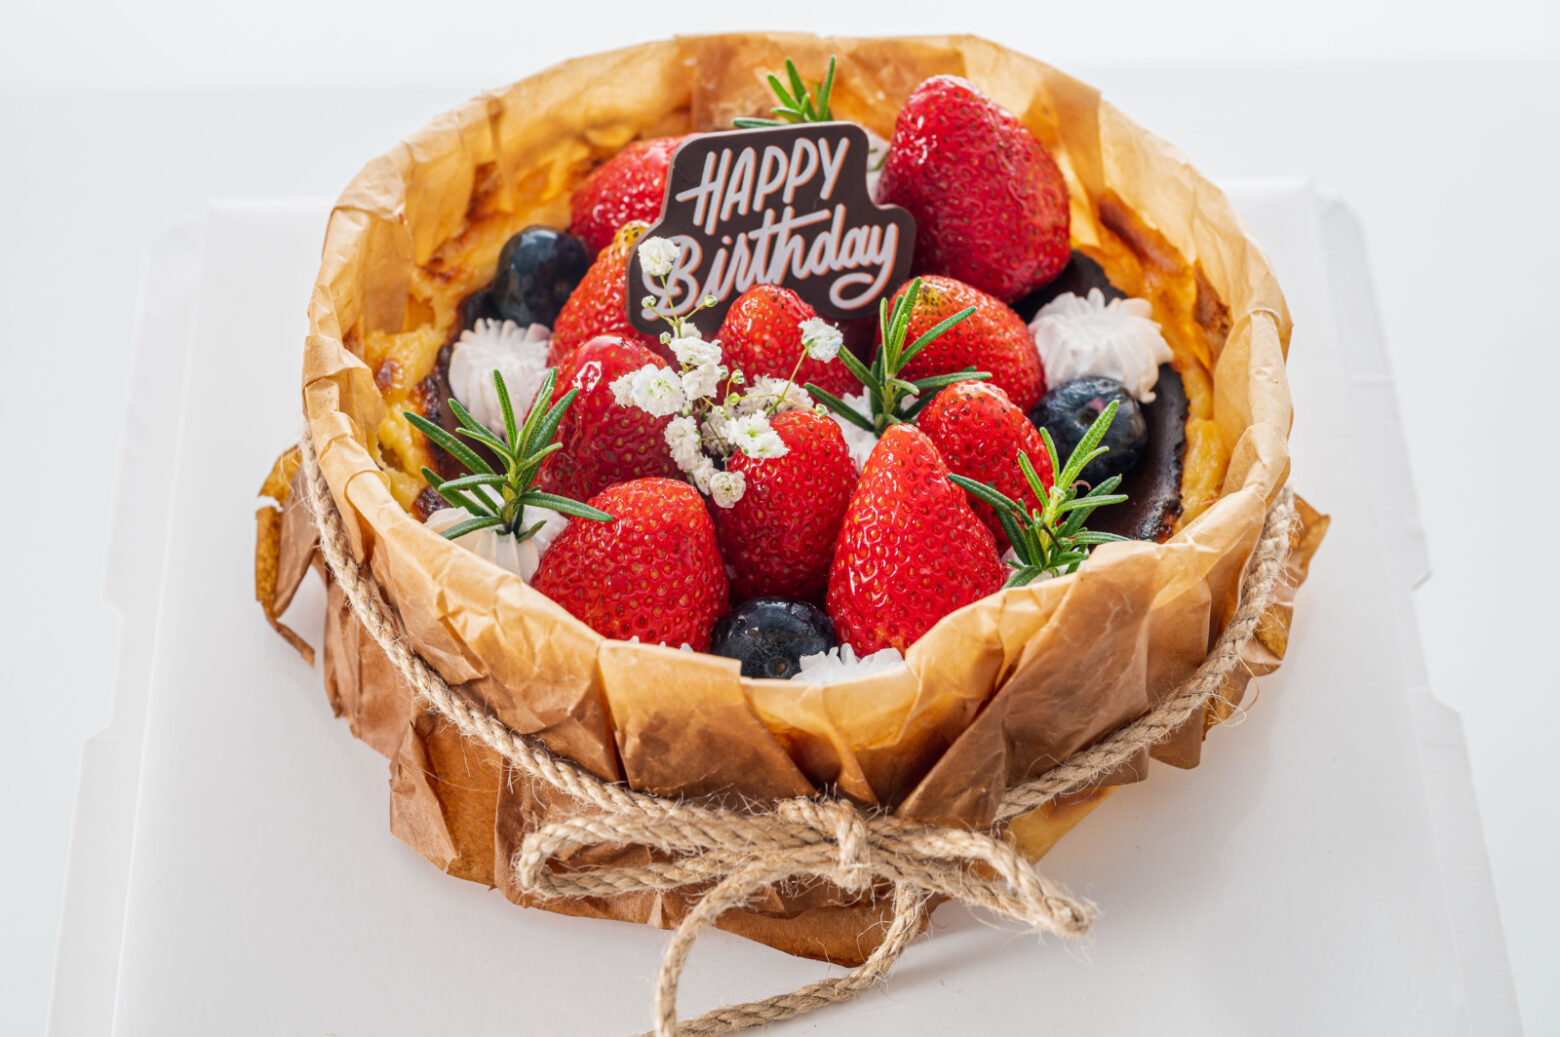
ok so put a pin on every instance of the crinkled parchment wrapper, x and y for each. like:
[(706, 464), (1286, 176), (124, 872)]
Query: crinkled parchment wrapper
[(996, 692)]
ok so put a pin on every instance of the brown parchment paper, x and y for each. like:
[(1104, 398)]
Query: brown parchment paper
[(997, 691)]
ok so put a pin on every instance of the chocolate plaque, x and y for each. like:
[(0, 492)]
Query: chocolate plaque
[(786, 206)]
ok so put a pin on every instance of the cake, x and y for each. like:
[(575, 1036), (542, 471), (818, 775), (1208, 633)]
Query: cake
[(832, 575)]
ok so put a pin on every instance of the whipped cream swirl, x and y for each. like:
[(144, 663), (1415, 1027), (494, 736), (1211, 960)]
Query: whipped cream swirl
[(502, 346), (1079, 335), (842, 663), (520, 557)]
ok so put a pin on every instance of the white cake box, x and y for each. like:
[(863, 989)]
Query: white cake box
[(1276, 888)]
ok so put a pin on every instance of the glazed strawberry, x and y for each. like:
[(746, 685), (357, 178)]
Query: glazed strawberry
[(979, 434), (627, 186), (989, 203), (653, 572), (910, 551), (603, 441), (599, 306), (778, 539), (762, 334), (993, 338)]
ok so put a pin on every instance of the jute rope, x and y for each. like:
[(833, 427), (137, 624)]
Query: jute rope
[(738, 854)]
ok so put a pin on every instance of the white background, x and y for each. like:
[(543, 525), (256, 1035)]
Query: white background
[(1435, 119)]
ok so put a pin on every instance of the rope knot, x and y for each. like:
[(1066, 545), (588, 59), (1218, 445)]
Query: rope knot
[(732, 855), (836, 821)]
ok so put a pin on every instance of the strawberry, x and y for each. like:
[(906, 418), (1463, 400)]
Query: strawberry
[(993, 338), (628, 186), (989, 203), (762, 334), (603, 441), (979, 433), (779, 537), (653, 572), (599, 305), (910, 551)]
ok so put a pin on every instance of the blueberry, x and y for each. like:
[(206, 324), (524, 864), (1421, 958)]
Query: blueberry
[(770, 636), (1068, 410), (477, 306), (537, 270)]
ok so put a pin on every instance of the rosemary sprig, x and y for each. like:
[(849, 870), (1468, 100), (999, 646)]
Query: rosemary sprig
[(497, 500), (797, 104), (893, 400), (1052, 539)]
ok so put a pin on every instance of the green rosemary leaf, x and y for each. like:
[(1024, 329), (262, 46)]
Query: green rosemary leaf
[(498, 499), (1011, 527), (824, 91), (456, 499), (526, 468), (799, 99), (564, 506), (548, 427), (538, 414), (1090, 502), (470, 525), (507, 406), (460, 451), (1024, 576), (969, 374), (1050, 451), (469, 482), (901, 322), (1051, 539), (797, 103), (1088, 536), (1036, 485), (990, 494), (471, 427), (525, 534), (486, 438), (854, 365), (840, 407), (785, 99), (1088, 447), (1104, 486)]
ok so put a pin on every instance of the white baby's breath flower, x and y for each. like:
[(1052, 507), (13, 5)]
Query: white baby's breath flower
[(658, 256), (682, 437), (821, 339), (766, 390), (703, 472), (717, 424), (703, 381), (623, 389), (692, 351), (658, 391), (754, 436), (726, 488)]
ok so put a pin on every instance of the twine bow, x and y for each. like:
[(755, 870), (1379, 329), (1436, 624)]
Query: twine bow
[(736, 855)]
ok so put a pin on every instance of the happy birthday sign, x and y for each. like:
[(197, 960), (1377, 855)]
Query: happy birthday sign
[(786, 206)]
